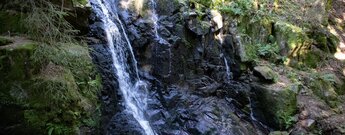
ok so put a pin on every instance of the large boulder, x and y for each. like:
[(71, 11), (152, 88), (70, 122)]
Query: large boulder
[(39, 81), (265, 73), (274, 104)]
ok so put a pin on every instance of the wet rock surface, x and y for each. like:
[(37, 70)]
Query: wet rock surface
[(186, 112), (186, 75), (189, 91)]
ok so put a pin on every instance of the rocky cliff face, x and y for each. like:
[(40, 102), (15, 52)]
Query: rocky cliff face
[(211, 72), (248, 67)]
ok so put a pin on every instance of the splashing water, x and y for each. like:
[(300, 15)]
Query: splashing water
[(134, 90)]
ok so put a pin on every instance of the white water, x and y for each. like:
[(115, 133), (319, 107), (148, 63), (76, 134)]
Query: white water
[(252, 117), (228, 72), (154, 18), (132, 88)]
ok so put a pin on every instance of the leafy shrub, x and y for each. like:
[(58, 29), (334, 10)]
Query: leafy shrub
[(286, 119), (237, 7), (268, 50)]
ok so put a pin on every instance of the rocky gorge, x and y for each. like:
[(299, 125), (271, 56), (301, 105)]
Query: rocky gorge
[(241, 67)]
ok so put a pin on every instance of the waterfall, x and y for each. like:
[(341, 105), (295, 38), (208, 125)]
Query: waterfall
[(132, 88), (228, 72), (154, 18)]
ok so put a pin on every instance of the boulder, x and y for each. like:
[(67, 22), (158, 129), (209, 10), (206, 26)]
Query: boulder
[(199, 27), (216, 19), (124, 124), (265, 73), (41, 80), (275, 104)]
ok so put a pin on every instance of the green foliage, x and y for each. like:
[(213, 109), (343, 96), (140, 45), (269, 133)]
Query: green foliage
[(267, 51), (55, 75), (236, 7), (328, 77), (58, 129), (286, 119), (39, 19), (45, 22), (4, 41), (322, 85), (61, 92), (67, 87), (80, 2), (206, 3), (293, 76)]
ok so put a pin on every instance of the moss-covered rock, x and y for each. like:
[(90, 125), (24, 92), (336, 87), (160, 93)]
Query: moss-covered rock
[(290, 38), (55, 87), (275, 104), (326, 86), (324, 40), (266, 73), (15, 60)]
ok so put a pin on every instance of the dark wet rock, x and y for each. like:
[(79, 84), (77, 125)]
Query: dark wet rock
[(188, 55), (164, 32), (204, 85), (192, 114), (109, 97), (79, 19), (124, 124), (238, 91), (199, 27)]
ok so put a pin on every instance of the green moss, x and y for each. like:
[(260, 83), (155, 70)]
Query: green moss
[(15, 62), (311, 59), (324, 40), (332, 42), (4, 41), (286, 108), (293, 35), (59, 83), (81, 2), (251, 52), (278, 106), (323, 88)]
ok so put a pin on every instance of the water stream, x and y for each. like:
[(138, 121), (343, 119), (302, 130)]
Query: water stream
[(132, 88), (228, 72), (154, 19)]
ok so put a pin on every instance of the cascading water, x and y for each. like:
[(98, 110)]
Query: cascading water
[(228, 72), (154, 18), (132, 88)]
